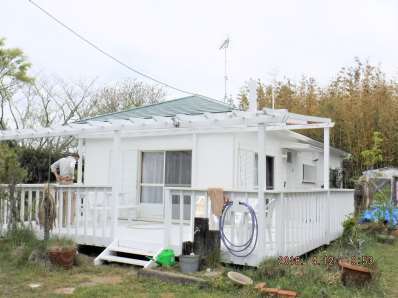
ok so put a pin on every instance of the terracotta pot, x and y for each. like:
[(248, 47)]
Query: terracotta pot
[(62, 256), (354, 274)]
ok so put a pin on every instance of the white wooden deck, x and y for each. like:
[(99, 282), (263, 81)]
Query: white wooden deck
[(294, 222)]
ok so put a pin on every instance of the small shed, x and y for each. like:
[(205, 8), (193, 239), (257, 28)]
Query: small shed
[(384, 178)]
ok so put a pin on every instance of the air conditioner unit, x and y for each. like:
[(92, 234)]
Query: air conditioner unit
[(288, 156)]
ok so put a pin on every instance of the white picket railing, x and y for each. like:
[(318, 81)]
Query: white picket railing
[(83, 212), (296, 222)]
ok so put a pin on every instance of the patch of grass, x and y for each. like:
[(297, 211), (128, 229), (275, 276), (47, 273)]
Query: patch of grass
[(18, 246), (315, 277)]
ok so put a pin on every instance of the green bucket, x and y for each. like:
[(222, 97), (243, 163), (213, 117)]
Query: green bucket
[(166, 258)]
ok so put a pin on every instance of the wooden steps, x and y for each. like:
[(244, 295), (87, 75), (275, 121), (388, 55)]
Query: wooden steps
[(133, 254), (124, 260)]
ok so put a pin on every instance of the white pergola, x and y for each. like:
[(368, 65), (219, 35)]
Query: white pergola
[(235, 121)]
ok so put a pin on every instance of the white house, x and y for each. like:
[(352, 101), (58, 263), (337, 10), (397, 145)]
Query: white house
[(147, 171)]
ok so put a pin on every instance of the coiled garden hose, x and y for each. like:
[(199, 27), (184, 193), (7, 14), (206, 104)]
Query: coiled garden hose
[(245, 249)]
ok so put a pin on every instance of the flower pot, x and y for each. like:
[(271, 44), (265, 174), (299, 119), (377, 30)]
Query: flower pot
[(189, 264), (62, 256), (354, 274)]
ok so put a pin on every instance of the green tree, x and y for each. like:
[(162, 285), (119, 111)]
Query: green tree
[(243, 98), (360, 100), (374, 155), (13, 72)]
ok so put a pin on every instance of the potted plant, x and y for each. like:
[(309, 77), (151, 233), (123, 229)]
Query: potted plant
[(62, 252)]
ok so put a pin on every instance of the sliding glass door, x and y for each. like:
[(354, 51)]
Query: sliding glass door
[(160, 169)]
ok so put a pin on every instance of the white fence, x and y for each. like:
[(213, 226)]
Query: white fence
[(84, 213), (296, 222)]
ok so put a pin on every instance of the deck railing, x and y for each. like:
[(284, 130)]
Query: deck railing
[(295, 221), (83, 212)]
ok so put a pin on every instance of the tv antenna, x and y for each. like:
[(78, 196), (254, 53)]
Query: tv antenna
[(224, 46)]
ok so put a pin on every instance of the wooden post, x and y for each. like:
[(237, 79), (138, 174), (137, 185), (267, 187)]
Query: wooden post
[(116, 177), (261, 187), (194, 159), (167, 216), (326, 156), (280, 225)]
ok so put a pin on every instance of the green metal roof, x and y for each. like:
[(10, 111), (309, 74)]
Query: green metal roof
[(190, 105)]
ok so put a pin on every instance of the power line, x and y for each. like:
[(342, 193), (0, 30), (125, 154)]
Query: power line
[(93, 45)]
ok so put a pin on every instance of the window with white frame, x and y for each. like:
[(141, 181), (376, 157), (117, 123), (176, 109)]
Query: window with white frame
[(163, 168), (309, 174)]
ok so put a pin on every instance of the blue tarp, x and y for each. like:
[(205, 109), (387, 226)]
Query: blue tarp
[(374, 214)]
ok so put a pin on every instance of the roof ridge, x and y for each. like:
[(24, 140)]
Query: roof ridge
[(157, 104)]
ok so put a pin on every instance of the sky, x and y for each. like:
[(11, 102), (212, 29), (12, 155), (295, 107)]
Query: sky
[(177, 41)]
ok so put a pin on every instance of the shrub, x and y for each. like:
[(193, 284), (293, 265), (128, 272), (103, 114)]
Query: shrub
[(349, 227)]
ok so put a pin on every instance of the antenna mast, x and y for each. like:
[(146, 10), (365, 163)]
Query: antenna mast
[(224, 47)]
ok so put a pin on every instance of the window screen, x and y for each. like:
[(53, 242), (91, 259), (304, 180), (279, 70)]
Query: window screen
[(309, 173)]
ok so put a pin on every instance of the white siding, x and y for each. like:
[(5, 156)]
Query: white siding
[(217, 160)]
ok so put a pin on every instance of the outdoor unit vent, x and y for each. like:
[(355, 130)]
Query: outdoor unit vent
[(289, 157)]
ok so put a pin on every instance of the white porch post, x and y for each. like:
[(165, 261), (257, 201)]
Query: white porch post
[(261, 187), (194, 159), (80, 163), (116, 179), (326, 156)]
